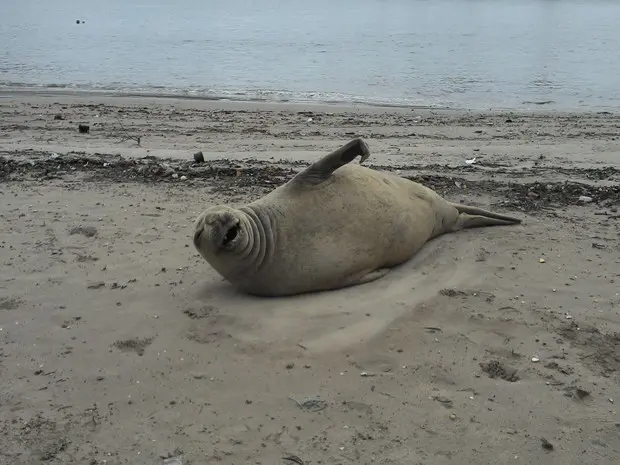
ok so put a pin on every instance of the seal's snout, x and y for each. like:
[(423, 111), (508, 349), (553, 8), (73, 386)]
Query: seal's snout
[(218, 229), (230, 233)]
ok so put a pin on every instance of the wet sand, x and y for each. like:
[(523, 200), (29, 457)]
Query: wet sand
[(120, 345)]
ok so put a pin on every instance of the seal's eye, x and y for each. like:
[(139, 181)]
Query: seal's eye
[(230, 235)]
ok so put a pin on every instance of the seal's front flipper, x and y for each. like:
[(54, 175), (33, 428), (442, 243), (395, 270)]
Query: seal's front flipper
[(319, 171), (365, 277)]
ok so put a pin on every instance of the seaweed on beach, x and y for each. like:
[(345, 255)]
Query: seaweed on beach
[(525, 196), (103, 167), (251, 173)]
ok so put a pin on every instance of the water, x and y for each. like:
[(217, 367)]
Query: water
[(456, 53)]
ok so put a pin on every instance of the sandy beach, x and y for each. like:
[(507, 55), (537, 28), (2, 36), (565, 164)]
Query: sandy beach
[(120, 345)]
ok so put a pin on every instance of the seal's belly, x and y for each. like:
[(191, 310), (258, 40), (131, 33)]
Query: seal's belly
[(352, 225)]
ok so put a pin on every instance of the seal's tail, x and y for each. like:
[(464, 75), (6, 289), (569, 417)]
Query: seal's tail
[(474, 217)]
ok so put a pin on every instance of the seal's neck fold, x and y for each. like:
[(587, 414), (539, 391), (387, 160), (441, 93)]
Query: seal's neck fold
[(261, 238)]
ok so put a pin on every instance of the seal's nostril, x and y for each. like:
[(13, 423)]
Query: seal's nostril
[(197, 234)]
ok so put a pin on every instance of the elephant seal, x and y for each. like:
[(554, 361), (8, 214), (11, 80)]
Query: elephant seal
[(331, 226)]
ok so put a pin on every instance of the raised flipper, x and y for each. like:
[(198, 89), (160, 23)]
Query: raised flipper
[(474, 217), (322, 169)]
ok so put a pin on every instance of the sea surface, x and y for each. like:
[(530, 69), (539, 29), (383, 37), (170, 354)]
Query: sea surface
[(475, 54)]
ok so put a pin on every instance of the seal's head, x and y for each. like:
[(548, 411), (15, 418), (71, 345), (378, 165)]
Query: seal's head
[(220, 233)]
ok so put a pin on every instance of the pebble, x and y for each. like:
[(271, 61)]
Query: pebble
[(199, 157), (173, 461), (183, 178), (546, 444), (96, 285)]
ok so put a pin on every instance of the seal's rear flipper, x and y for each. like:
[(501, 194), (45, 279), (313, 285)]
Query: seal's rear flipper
[(480, 212), (322, 169), (466, 221)]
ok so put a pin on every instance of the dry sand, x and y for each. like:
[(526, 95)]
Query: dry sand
[(119, 345)]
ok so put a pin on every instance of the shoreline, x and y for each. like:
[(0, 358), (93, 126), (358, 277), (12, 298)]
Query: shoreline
[(236, 102)]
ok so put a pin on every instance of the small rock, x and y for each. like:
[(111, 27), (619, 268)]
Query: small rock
[(58, 117), (577, 393), (496, 369), (443, 401), (96, 285), (312, 404), (173, 461), (183, 178), (546, 444), (88, 231), (175, 176), (83, 128), (535, 359), (585, 199), (199, 157)]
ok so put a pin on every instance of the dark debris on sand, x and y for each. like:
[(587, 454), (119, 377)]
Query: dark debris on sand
[(526, 196), (244, 174), (103, 167)]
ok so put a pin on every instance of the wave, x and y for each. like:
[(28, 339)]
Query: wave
[(241, 95)]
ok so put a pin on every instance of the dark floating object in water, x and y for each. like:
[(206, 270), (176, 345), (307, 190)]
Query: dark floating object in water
[(77, 21), (538, 102), (199, 157), (83, 128)]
